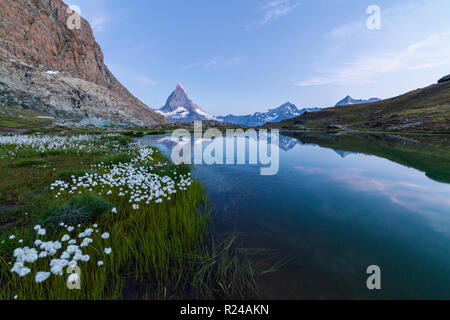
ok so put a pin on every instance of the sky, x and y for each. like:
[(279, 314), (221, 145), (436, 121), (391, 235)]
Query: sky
[(246, 56)]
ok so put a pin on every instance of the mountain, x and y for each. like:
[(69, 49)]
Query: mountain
[(426, 109), (349, 100), (179, 108), (47, 67), (285, 111), (444, 79)]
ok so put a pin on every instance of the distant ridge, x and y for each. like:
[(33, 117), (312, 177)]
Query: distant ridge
[(349, 100), (283, 112), (421, 110)]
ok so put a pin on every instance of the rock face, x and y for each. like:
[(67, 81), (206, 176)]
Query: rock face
[(349, 100), (283, 112), (46, 66), (179, 108)]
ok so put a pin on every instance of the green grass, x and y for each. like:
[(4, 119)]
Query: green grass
[(427, 153), (421, 110), (115, 158), (78, 210), (160, 251), (19, 118), (68, 175), (31, 163)]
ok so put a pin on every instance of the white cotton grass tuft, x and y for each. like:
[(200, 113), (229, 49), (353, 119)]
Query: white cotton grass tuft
[(106, 235), (42, 276), (72, 278), (138, 185)]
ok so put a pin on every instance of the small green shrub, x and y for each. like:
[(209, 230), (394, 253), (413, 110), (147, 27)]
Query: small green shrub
[(79, 210)]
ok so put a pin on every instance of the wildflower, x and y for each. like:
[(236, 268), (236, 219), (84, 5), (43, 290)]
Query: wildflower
[(105, 235), (42, 276), (100, 263), (108, 250), (57, 266), (12, 237), (20, 269), (72, 278), (86, 242), (114, 210), (65, 238)]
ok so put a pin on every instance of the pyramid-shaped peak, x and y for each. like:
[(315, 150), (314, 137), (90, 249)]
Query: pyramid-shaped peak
[(180, 87)]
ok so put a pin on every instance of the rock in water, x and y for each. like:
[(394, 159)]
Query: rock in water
[(47, 66)]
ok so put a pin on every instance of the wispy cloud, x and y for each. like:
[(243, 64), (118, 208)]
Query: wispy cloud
[(430, 201), (95, 12), (98, 21), (146, 81), (217, 61), (346, 30), (274, 10), (430, 52)]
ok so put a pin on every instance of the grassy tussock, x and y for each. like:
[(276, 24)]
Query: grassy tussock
[(78, 210)]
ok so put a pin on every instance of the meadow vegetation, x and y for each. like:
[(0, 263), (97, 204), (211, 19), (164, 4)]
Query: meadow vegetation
[(136, 226)]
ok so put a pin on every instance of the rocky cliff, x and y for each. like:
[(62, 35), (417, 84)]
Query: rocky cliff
[(44, 65)]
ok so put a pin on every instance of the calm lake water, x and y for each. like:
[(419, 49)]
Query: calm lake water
[(339, 204)]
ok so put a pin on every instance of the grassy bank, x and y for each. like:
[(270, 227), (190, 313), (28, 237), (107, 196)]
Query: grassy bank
[(132, 225), (427, 153)]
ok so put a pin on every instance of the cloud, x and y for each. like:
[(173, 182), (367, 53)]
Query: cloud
[(430, 201), (146, 81), (218, 62), (276, 9), (94, 12), (430, 52), (346, 30), (98, 21)]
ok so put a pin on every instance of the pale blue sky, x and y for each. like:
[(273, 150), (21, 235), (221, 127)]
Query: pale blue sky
[(243, 56)]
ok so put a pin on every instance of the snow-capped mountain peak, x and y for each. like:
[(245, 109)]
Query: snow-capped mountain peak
[(179, 108), (348, 100), (283, 112)]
